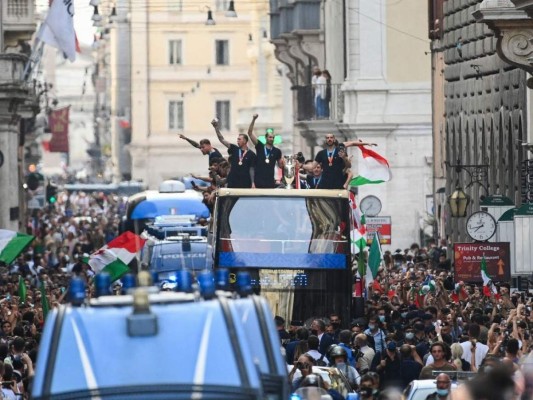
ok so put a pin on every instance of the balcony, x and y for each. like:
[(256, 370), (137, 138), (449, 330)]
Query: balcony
[(311, 107), (18, 20)]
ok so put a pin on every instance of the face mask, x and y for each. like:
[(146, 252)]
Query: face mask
[(381, 318), (371, 327), (335, 324), (340, 365), (366, 392), (404, 315), (442, 392), (409, 335)]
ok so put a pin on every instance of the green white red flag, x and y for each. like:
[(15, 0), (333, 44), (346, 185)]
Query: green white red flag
[(373, 168), (12, 244), (489, 288), (115, 256)]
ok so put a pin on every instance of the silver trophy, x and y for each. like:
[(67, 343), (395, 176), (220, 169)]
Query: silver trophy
[(289, 171)]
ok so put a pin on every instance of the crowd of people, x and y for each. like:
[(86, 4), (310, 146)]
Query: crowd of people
[(419, 324), (65, 233)]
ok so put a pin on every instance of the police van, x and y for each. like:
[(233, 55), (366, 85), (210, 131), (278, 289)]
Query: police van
[(201, 342), (176, 242)]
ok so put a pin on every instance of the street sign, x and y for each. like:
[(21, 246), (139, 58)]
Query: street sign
[(468, 258), (382, 225)]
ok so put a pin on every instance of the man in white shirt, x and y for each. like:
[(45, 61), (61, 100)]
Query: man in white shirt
[(473, 347), (365, 361)]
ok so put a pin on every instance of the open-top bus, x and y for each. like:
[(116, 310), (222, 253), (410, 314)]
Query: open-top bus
[(295, 244)]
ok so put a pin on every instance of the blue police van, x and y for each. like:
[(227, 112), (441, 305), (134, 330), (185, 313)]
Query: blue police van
[(197, 343)]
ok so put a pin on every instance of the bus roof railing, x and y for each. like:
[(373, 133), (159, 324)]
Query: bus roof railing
[(331, 193)]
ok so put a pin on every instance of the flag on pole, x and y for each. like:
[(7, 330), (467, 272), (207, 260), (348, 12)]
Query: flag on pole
[(22, 290), (358, 232), (373, 168), (44, 300), (115, 256), (57, 30), (375, 259), (489, 288), (12, 244), (459, 293)]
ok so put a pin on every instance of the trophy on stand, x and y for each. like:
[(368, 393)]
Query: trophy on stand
[(289, 171)]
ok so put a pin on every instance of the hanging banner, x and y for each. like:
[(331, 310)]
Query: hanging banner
[(58, 123)]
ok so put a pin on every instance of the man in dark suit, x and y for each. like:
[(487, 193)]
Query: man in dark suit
[(318, 328)]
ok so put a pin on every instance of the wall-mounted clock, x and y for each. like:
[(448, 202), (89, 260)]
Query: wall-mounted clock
[(370, 206), (481, 226)]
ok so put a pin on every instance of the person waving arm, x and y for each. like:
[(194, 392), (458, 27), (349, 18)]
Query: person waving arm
[(251, 133), (214, 122)]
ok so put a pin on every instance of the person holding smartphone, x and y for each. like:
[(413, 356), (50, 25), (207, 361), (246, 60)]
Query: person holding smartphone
[(304, 366)]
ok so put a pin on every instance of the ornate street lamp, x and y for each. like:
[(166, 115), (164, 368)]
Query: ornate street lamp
[(458, 201)]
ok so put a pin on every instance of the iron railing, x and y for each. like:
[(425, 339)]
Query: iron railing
[(319, 102)]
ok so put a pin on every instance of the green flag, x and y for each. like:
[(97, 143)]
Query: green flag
[(22, 290), (374, 259), (44, 300)]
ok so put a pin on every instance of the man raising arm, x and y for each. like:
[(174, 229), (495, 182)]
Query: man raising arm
[(266, 157)]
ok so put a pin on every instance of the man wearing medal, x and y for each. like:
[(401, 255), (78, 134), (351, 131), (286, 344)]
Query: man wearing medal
[(267, 157), (313, 180), (334, 160), (241, 159)]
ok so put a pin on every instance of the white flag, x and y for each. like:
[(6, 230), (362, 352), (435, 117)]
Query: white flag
[(57, 29)]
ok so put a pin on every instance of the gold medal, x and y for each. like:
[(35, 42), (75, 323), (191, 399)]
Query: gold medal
[(267, 161)]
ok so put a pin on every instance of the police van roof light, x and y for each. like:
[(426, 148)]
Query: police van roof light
[(76, 291), (128, 282), (102, 282), (244, 284), (206, 282), (184, 279), (222, 279)]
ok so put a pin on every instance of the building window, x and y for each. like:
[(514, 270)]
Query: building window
[(174, 52), (175, 115), (223, 114), (222, 5), (222, 52)]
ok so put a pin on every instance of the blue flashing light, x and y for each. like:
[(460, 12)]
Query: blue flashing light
[(76, 291), (244, 284), (295, 396), (102, 282), (206, 282), (128, 282), (184, 280), (222, 279)]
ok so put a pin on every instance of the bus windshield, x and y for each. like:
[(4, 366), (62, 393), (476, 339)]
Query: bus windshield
[(283, 232), (294, 244)]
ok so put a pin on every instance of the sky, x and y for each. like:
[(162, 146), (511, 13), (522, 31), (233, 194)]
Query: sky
[(82, 19)]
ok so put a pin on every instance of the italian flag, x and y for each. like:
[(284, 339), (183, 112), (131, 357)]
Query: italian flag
[(12, 244), (373, 168), (489, 288), (115, 256), (358, 232)]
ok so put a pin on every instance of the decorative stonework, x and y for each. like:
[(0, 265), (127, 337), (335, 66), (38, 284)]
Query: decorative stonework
[(514, 30)]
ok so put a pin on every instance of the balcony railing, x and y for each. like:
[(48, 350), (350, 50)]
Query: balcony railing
[(18, 14), (319, 102)]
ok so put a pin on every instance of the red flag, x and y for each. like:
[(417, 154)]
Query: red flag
[(58, 122)]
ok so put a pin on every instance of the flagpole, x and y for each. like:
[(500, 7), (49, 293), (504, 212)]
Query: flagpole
[(35, 56)]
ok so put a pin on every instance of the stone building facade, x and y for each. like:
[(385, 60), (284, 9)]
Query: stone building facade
[(480, 111)]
